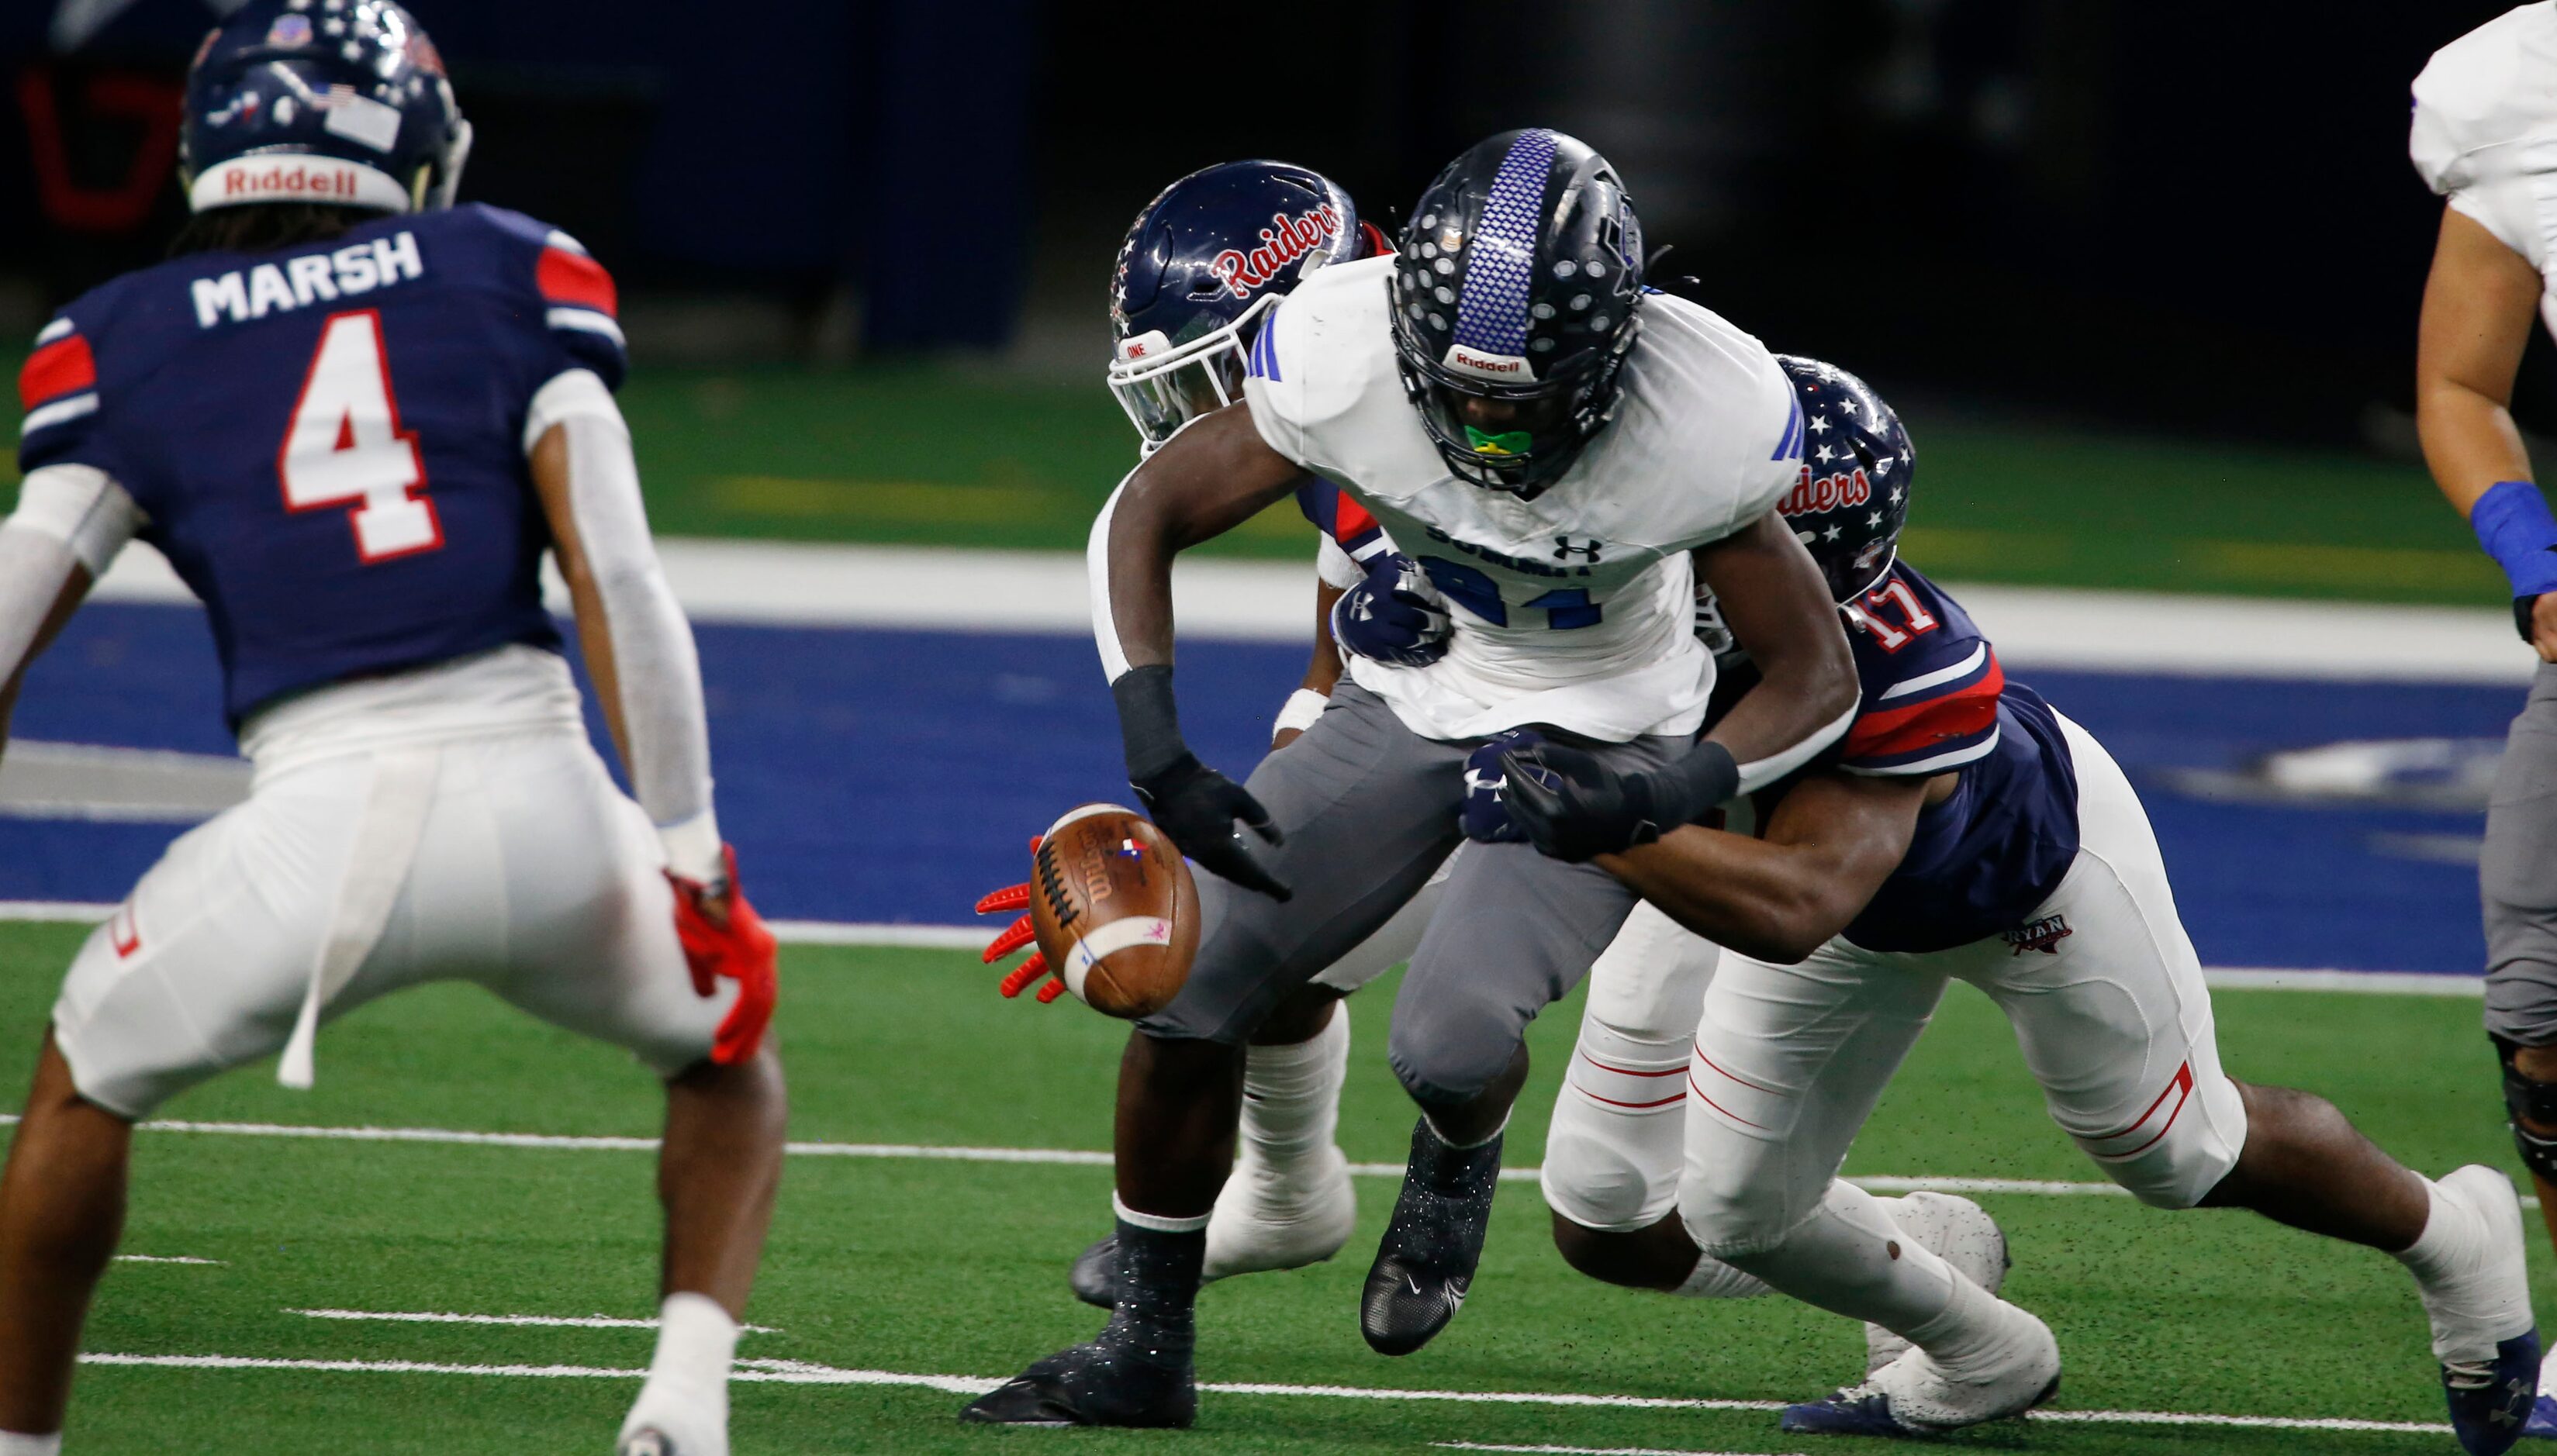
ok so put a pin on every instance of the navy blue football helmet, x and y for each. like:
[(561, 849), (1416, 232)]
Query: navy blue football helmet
[(343, 102), (1516, 299), (1858, 467), (1208, 257)]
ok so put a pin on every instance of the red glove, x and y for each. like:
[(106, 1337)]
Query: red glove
[(723, 937), (1017, 935)]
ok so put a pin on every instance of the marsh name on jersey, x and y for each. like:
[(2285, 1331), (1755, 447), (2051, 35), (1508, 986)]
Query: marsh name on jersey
[(1572, 609), (328, 441)]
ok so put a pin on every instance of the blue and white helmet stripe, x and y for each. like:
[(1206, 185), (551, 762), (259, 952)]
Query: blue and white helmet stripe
[(1491, 313)]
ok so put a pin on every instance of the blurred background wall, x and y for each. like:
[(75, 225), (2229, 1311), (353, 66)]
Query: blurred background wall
[(2195, 216)]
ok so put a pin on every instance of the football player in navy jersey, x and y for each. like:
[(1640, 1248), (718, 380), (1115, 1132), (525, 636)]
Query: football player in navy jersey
[(1964, 829), (354, 418)]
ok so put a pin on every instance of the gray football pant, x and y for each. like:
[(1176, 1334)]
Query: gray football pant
[(1369, 810), (2517, 875)]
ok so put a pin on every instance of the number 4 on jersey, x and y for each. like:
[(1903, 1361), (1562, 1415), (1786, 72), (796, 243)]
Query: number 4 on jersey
[(345, 446)]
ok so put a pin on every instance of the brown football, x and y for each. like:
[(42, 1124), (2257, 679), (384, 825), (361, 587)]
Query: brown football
[(1114, 909)]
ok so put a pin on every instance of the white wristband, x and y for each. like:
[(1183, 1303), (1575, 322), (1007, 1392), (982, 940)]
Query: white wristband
[(1303, 707), (693, 849)]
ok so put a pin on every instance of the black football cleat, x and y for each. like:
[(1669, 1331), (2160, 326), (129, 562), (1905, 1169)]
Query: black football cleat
[(1425, 1264), (1095, 1275), (1092, 1385)]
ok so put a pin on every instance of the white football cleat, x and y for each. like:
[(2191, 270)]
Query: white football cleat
[(1265, 1220), (1915, 1397), (1954, 1229), (664, 1431)]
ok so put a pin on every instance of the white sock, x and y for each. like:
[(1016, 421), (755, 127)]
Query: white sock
[(1291, 1100), (2458, 1270), (1712, 1280), (1850, 1258), (687, 1388), (18, 1443)]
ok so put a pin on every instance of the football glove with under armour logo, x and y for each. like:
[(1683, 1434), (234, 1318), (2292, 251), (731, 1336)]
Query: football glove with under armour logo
[(1486, 815), (1394, 616)]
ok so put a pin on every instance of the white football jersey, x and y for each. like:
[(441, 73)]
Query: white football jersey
[(2486, 132), (1576, 608)]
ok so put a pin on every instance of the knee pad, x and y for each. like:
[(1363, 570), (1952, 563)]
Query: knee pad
[(2531, 1101), (2181, 1146), (1730, 1222), (1613, 1152)]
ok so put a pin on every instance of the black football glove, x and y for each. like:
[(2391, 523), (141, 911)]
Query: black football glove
[(1572, 807), (1197, 808)]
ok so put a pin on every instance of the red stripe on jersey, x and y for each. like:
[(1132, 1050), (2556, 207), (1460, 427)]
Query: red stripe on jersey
[(1967, 710), (1350, 520), (575, 280), (61, 368)]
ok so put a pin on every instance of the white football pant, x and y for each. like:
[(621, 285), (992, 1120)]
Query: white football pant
[(1788, 1061), (508, 858)]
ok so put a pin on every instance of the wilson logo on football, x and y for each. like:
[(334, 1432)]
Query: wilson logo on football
[(1828, 492), (1282, 242)]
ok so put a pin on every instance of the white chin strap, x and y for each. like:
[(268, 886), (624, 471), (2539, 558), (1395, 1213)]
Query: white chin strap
[(456, 154)]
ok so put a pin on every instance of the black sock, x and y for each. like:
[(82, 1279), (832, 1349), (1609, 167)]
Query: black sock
[(1159, 1282), (1450, 1169)]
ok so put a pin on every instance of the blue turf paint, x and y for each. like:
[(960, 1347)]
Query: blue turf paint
[(896, 775)]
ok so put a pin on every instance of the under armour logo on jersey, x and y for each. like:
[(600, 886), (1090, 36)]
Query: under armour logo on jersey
[(1563, 550), (2044, 935)]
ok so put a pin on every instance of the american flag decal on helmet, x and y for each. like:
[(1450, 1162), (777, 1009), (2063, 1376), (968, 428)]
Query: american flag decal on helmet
[(1491, 314)]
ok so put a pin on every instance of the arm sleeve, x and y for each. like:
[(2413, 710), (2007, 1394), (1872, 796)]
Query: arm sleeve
[(81, 507), (1096, 565), (68, 517), (652, 643), (1338, 568)]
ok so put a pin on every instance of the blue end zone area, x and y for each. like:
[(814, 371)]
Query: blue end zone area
[(872, 775)]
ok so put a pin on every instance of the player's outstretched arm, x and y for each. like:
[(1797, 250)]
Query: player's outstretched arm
[(639, 652), (70, 523), (1830, 845), (1778, 606), (1209, 478), (2478, 305)]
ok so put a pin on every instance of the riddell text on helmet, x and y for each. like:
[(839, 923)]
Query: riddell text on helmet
[(298, 178)]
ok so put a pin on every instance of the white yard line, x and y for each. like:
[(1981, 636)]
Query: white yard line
[(1584, 1450), (1074, 1157), (800, 1373), (557, 1321), (162, 1258), (975, 937)]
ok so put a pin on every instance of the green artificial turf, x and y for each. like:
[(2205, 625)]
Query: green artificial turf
[(956, 1269), (916, 455)]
